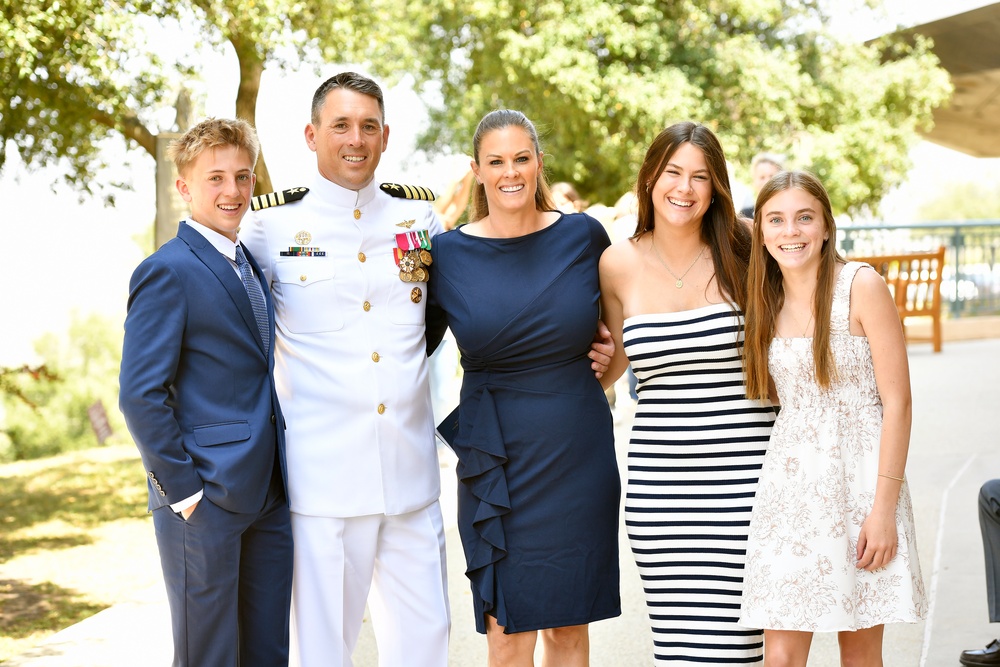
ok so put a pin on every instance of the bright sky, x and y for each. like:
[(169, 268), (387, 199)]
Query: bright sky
[(866, 25), (57, 254)]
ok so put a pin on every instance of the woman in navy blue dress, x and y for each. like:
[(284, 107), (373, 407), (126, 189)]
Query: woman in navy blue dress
[(539, 488)]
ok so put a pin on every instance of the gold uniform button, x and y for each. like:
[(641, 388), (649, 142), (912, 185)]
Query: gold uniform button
[(381, 408), (361, 257), (302, 277), (367, 306), (375, 357)]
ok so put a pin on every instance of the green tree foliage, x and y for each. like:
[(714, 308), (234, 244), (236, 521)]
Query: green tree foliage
[(63, 64), (46, 408), (602, 78), (77, 71), (963, 201)]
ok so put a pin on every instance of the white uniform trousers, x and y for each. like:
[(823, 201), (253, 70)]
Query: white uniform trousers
[(401, 559)]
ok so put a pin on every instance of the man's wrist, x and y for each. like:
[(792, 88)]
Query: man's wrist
[(188, 502)]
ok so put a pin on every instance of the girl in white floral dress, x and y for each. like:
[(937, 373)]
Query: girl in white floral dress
[(831, 545)]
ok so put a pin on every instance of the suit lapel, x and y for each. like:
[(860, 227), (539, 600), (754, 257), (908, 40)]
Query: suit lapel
[(223, 270)]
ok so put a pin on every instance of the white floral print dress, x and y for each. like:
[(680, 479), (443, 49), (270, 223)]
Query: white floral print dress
[(816, 488)]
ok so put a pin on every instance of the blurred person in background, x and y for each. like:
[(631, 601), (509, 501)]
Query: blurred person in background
[(566, 198), (762, 168), (989, 524)]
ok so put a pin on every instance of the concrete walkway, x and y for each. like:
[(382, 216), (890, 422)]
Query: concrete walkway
[(955, 447)]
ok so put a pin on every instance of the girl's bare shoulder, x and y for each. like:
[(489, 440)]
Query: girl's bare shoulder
[(620, 255), (868, 284)]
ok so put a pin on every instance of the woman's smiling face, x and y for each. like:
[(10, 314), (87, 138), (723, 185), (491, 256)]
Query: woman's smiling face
[(793, 229), (683, 191), (508, 168)]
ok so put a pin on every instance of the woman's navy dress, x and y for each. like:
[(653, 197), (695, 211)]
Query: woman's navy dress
[(538, 489)]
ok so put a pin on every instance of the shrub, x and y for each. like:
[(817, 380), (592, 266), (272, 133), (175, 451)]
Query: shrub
[(46, 407)]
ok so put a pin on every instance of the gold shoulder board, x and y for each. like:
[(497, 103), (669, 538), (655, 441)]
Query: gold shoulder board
[(408, 191), (277, 198)]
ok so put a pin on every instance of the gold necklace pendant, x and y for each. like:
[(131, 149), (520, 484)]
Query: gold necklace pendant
[(680, 279), (805, 329), (798, 323)]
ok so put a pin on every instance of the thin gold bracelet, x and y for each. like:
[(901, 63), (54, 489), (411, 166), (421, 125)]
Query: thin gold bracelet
[(898, 479)]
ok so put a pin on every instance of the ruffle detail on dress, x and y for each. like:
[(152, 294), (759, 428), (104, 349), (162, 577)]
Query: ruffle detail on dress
[(481, 458)]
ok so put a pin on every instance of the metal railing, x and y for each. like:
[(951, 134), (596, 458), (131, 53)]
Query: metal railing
[(971, 276)]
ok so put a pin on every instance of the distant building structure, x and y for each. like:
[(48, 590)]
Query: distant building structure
[(968, 46)]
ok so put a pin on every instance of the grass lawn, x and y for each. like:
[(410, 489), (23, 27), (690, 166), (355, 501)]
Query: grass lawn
[(75, 538)]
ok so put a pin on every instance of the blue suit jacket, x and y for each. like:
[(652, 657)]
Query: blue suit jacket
[(197, 389)]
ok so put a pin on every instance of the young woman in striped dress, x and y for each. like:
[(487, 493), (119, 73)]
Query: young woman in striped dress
[(673, 296)]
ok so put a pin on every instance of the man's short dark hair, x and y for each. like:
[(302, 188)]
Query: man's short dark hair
[(351, 81)]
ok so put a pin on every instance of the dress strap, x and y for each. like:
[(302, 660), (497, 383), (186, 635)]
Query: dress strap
[(840, 311)]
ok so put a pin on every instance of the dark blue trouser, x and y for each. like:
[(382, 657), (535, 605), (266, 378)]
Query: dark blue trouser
[(989, 523), (229, 584)]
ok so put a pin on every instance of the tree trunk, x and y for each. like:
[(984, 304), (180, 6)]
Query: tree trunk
[(251, 68), (131, 127), (263, 185)]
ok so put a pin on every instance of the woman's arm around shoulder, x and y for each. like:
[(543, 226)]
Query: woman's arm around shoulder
[(614, 270)]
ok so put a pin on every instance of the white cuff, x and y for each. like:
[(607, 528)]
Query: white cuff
[(187, 502)]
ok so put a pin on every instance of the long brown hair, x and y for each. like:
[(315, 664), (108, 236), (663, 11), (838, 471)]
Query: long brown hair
[(766, 292), (728, 239), (497, 120)]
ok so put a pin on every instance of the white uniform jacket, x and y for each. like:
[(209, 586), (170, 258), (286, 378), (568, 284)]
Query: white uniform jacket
[(351, 366)]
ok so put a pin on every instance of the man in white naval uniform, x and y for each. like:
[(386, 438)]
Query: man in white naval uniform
[(352, 375)]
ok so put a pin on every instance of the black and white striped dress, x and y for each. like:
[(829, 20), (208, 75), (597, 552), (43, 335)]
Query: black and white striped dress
[(695, 454)]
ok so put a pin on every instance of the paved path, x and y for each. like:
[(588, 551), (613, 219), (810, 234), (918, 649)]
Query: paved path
[(954, 448)]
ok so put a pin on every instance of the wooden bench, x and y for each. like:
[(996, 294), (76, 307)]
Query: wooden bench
[(914, 280)]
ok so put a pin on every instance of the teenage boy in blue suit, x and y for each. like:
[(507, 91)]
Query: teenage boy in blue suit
[(198, 395)]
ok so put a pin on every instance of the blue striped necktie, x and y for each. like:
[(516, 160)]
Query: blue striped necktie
[(256, 296)]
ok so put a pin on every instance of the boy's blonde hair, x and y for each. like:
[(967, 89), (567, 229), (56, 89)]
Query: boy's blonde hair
[(212, 133)]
